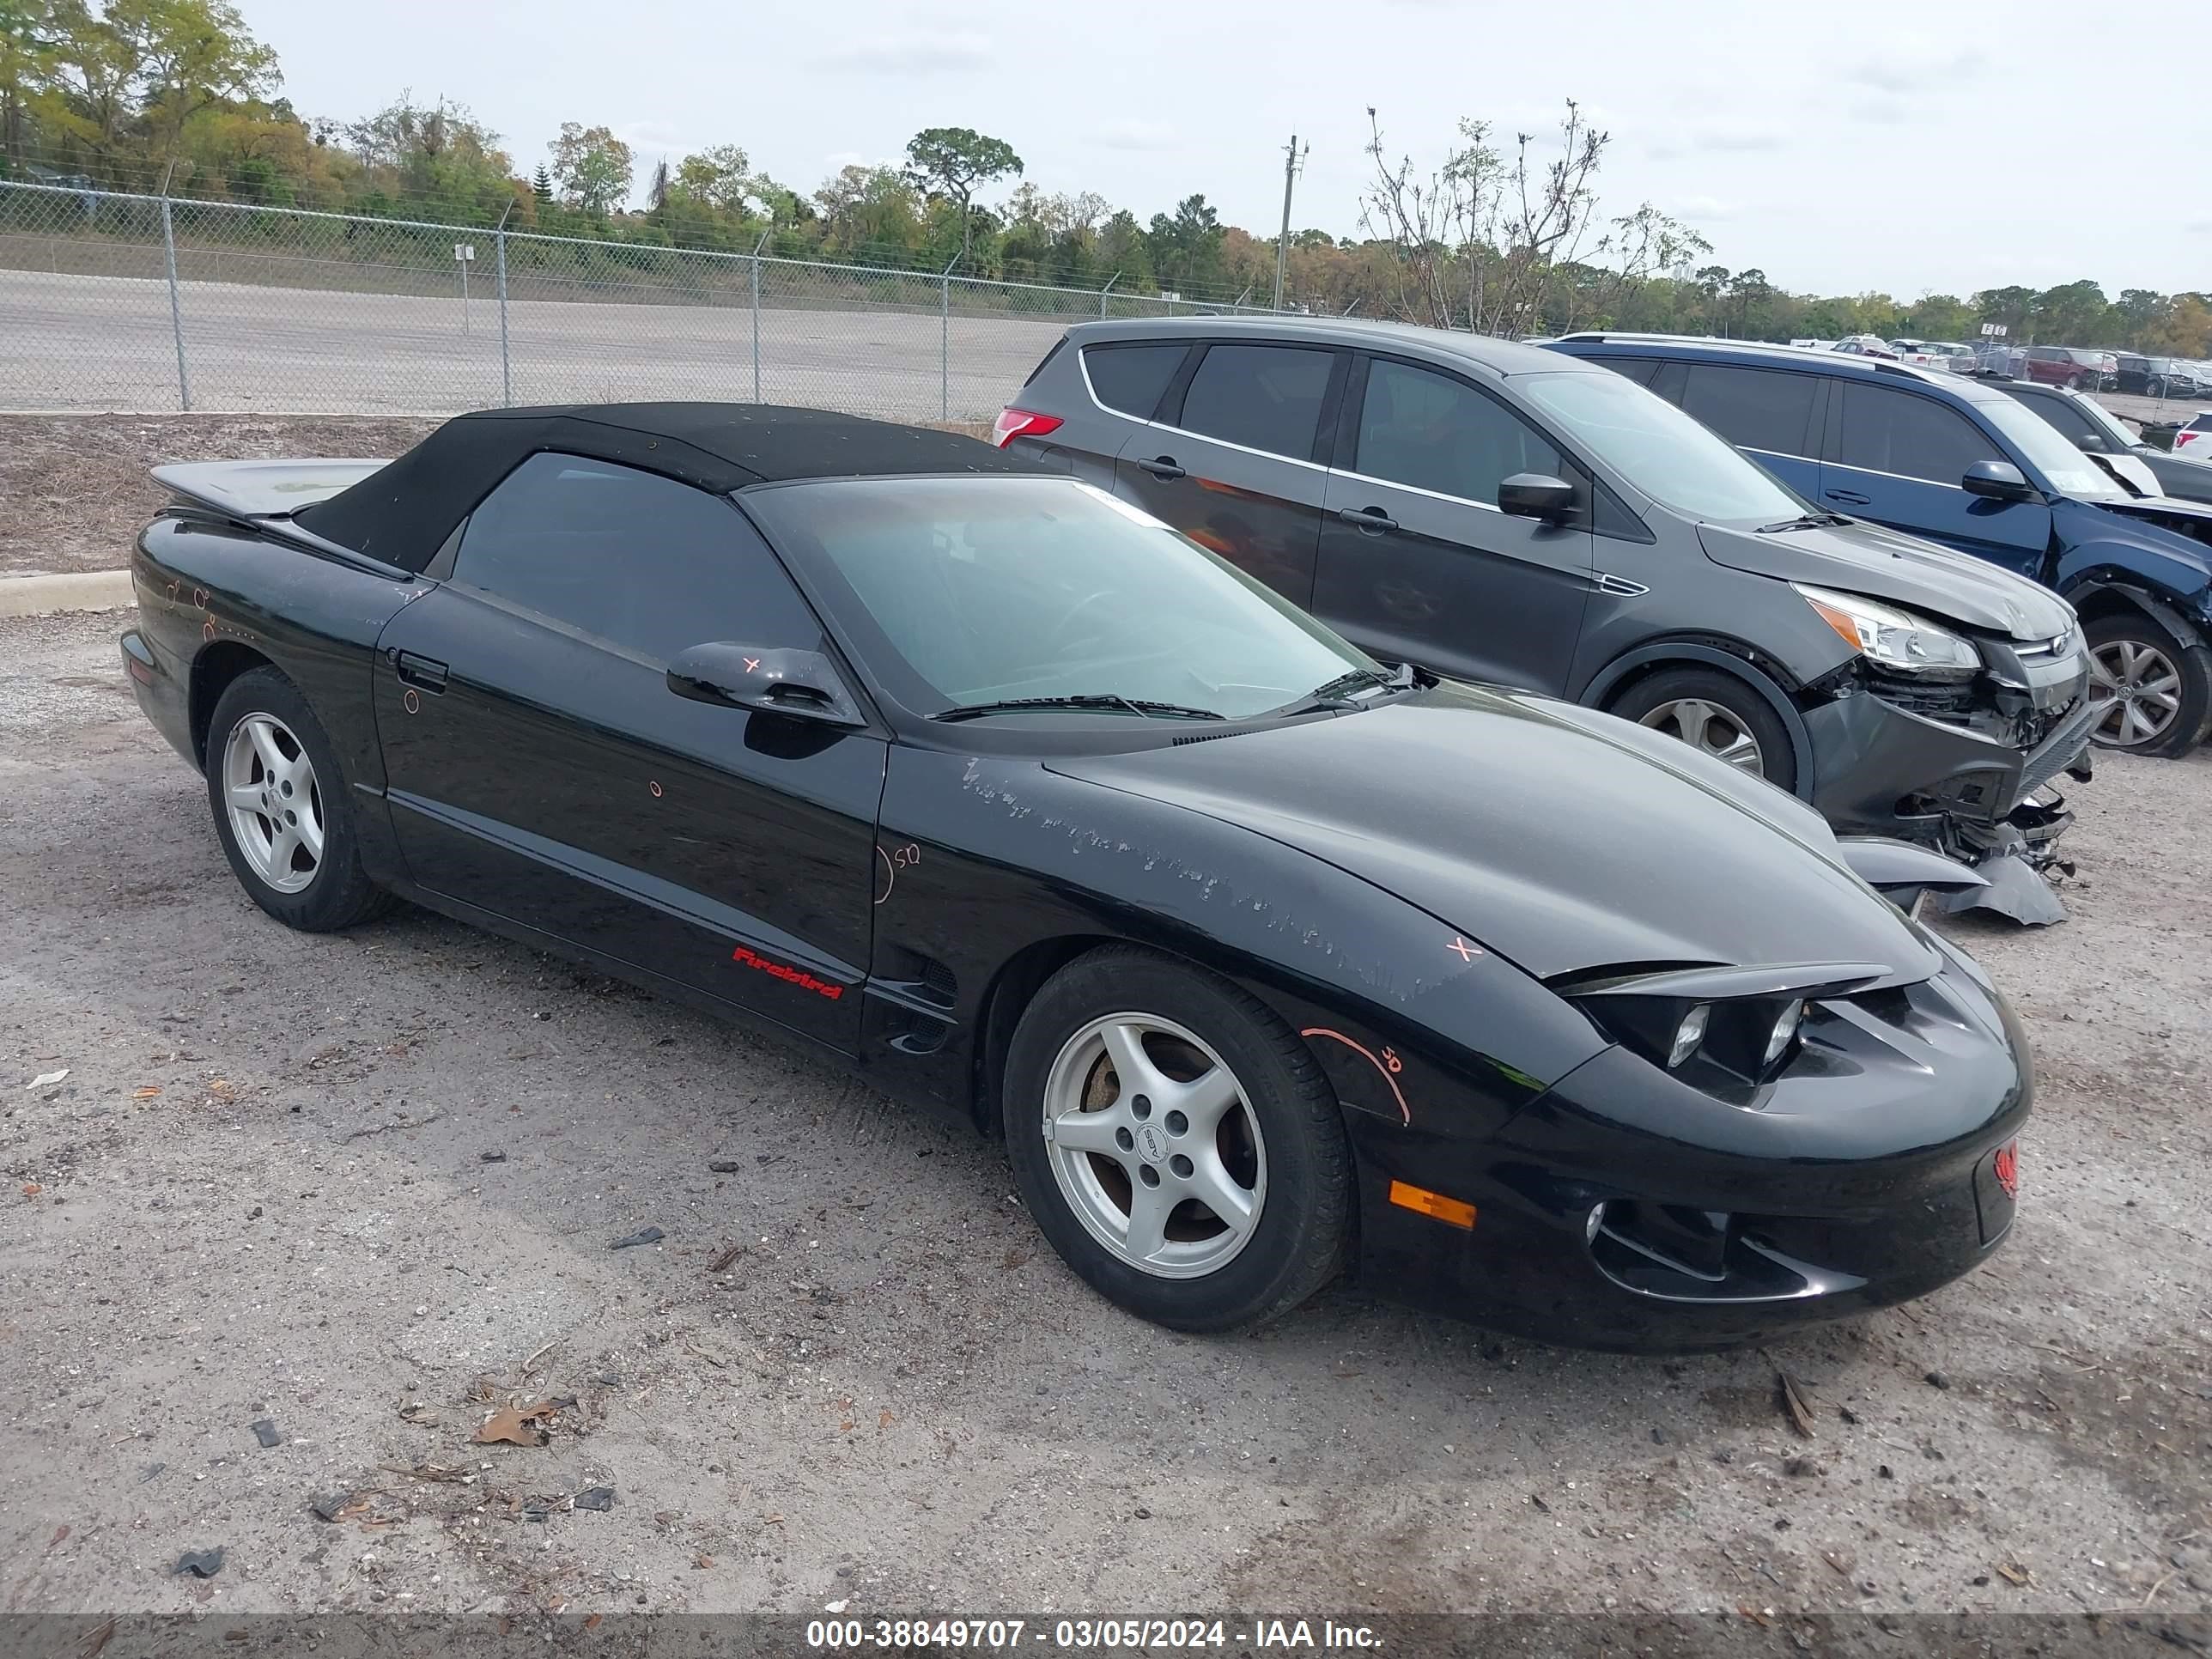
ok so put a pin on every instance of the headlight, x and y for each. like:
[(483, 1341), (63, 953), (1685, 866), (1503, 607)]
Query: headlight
[(1897, 639)]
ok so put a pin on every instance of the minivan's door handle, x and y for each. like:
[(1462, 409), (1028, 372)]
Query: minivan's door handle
[(1162, 467), (1367, 518), (421, 671), (1852, 497)]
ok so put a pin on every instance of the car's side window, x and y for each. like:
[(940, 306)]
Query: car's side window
[(1639, 369), (1891, 431), (1266, 398), (640, 561), (1766, 409), (1435, 433), (2057, 412), (1130, 379)]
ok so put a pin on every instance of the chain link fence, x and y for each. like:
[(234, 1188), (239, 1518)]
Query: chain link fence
[(143, 303)]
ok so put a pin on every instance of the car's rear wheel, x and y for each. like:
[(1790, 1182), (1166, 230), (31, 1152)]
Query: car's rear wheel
[(2154, 388), (1715, 713), (282, 808), (2156, 692), (1176, 1142)]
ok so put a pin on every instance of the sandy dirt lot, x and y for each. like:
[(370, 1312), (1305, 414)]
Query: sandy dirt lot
[(363, 1189)]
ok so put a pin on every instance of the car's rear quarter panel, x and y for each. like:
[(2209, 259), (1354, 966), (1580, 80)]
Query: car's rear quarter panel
[(217, 599)]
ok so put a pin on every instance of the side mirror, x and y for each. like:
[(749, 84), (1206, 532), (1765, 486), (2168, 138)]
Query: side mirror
[(1997, 481), (801, 685), (2091, 443), (1535, 495)]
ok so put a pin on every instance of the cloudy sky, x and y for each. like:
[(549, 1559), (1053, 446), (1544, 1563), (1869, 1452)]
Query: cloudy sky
[(1912, 148)]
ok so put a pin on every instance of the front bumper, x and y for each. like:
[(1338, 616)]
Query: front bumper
[(1880, 768), (1868, 1175)]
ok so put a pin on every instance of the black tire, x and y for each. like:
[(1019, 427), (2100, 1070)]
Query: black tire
[(2154, 388), (2192, 665), (1777, 758), (338, 893), (1298, 1240)]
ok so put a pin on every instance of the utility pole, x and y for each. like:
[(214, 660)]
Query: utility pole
[(1291, 158)]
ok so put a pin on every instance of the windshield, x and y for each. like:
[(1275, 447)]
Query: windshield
[(1663, 451), (986, 590), (2065, 468)]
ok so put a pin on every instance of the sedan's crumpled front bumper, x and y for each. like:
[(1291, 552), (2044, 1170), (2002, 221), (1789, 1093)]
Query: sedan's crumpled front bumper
[(1959, 769)]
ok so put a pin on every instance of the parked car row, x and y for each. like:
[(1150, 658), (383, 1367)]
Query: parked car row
[(1492, 513)]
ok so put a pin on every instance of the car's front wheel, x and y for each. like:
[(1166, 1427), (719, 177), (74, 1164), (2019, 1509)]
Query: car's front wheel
[(1717, 713), (281, 807), (2156, 693), (1176, 1142)]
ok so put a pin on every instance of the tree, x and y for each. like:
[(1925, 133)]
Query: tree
[(951, 161), (592, 168), (541, 186), (719, 177), (1187, 249), (187, 55), (869, 207), (27, 58), (437, 154)]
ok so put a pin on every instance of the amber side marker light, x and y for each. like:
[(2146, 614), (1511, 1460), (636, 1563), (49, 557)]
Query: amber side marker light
[(1448, 1210)]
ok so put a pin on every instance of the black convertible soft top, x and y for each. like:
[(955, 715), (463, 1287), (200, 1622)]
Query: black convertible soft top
[(402, 513)]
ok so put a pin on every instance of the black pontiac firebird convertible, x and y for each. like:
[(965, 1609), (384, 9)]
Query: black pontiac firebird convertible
[(1267, 960)]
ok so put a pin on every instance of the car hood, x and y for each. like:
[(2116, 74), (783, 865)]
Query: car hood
[(2174, 514), (1886, 564), (1562, 839)]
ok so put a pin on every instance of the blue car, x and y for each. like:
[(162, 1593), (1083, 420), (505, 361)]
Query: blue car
[(1957, 461)]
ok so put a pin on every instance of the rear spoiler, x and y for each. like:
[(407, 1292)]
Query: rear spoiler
[(263, 496), (257, 490)]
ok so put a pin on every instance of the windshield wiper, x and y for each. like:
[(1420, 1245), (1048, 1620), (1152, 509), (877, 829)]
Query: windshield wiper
[(1106, 701), (1337, 692), (1816, 520)]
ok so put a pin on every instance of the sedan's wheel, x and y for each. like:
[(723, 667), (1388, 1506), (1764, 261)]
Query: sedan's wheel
[(2155, 693), (280, 806), (1716, 714), (1191, 1166), (276, 804), (1154, 1145)]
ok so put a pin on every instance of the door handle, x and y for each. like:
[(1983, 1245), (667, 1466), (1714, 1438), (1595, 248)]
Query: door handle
[(421, 671), (1371, 519), (1850, 496), (1162, 467)]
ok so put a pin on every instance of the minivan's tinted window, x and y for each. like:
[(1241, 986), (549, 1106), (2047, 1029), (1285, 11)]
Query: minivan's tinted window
[(1890, 431), (1262, 397), (1434, 433), (645, 563), (1756, 408), (1131, 378)]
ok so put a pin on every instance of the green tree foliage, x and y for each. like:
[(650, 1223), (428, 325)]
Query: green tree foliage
[(952, 161), (592, 168)]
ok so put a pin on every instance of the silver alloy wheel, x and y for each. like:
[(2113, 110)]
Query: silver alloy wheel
[(2140, 689), (1708, 726), (1154, 1146), (275, 805)]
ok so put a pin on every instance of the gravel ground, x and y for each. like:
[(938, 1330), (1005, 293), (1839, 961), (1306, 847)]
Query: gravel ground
[(364, 1188)]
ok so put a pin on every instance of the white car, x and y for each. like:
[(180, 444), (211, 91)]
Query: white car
[(2196, 439), (1934, 354)]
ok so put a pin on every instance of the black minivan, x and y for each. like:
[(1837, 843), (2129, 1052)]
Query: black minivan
[(1495, 512)]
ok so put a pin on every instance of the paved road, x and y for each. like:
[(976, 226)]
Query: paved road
[(94, 342)]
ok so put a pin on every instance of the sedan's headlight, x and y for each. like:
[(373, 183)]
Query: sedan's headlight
[(1897, 639), (1717, 1027)]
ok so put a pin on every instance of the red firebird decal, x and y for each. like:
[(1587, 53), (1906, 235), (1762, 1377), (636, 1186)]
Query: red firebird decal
[(799, 976), (2007, 1165)]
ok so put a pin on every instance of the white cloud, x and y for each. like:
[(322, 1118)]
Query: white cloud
[(933, 52), (1705, 210), (1135, 135), (1718, 138), (1912, 63)]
